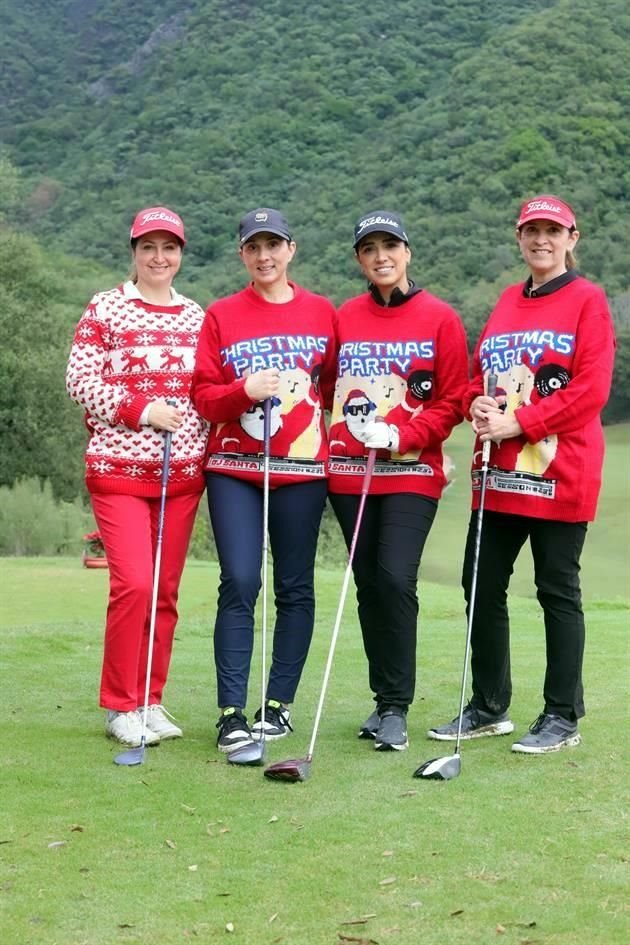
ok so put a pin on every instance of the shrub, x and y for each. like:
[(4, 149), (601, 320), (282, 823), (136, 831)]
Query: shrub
[(32, 522)]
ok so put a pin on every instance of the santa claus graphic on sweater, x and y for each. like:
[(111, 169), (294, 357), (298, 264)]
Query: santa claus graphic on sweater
[(521, 387), (346, 436)]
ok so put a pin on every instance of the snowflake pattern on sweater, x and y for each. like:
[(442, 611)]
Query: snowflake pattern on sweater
[(126, 353)]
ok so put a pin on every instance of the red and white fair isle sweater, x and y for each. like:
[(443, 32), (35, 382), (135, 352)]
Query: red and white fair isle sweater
[(126, 353), (553, 356)]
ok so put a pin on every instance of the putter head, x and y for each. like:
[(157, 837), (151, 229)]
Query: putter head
[(440, 769), (253, 754), (294, 769), (135, 756)]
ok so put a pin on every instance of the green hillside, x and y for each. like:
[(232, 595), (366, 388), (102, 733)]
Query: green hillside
[(451, 111)]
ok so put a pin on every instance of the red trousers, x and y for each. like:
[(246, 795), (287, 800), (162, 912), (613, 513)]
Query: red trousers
[(128, 525)]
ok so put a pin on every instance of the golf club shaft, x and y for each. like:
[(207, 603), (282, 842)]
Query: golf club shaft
[(367, 477), (485, 458), (265, 561), (166, 459)]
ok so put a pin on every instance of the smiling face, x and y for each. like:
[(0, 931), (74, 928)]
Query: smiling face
[(157, 257), (383, 260), (266, 258), (544, 245)]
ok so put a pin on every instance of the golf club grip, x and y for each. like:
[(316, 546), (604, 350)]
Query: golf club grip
[(166, 458), (492, 390), (267, 425), (369, 469)]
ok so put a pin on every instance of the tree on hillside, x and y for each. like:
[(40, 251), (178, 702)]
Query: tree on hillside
[(41, 430)]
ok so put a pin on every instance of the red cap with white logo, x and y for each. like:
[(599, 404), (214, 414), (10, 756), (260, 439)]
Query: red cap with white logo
[(546, 207), (157, 218)]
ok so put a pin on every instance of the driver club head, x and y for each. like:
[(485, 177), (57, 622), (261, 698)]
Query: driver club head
[(252, 754), (440, 769), (135, 756), (292, 770)]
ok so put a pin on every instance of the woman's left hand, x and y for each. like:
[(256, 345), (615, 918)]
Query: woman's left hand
[(497, 426)]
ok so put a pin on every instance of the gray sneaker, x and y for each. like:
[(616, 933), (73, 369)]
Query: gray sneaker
[(475, 724), (548, 733), (392, 731), (370, 726)]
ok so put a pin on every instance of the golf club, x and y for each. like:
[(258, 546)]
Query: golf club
[(253, 753), (135, 756), (298, 769), (450, 766)]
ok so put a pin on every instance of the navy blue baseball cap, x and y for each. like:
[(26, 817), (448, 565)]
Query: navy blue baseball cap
[(263, 220), (379, 221)]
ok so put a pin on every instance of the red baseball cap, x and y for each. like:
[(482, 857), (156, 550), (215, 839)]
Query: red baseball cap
[(157, 218), (546, 207)]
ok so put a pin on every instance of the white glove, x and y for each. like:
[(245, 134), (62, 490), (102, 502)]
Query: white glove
[(379, 435)]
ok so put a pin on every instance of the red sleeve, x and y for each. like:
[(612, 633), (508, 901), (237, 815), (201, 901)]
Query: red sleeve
[(329, 365), (85, 379), (435, 423), (216, 398), (588, 390), (476, 386)]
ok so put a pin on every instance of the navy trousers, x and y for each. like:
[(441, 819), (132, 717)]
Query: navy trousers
[(236, 513), (556, 549), (386, 561)]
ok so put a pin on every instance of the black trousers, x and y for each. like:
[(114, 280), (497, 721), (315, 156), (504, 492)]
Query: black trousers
[(385, 567), (556, 549)]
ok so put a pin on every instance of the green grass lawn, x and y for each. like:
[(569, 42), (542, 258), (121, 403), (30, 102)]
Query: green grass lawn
[(518, 850)]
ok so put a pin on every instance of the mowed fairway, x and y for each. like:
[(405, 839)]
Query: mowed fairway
[(526, 851)]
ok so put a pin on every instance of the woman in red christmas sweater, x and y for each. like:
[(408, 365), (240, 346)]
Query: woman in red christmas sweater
[(130, 368), (271, 341), (550, 341), (401, 375)]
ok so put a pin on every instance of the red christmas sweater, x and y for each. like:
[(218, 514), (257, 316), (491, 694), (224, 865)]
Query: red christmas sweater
[(242, 334), (409, 365), (126, 353), (553, 356)]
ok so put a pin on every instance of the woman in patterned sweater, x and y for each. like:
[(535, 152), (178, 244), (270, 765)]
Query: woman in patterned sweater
[(130, 368)]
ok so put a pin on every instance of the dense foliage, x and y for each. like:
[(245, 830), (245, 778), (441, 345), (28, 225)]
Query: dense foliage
[(449, 110)]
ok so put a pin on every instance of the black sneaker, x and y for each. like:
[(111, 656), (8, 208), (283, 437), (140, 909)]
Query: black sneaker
[(277, 721), (475, 723), (370, 726), (392, 731), (548, 733), (233, 730)]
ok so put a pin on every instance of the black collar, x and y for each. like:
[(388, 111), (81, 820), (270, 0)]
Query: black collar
[(552, 286), (397, 297)]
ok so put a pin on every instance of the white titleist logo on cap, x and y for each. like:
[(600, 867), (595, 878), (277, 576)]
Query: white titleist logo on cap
[(370, 221), (542, 205), (261, 217), (159, 215)]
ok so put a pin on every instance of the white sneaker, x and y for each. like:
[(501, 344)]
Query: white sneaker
[(159, 722), (126, 728)]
